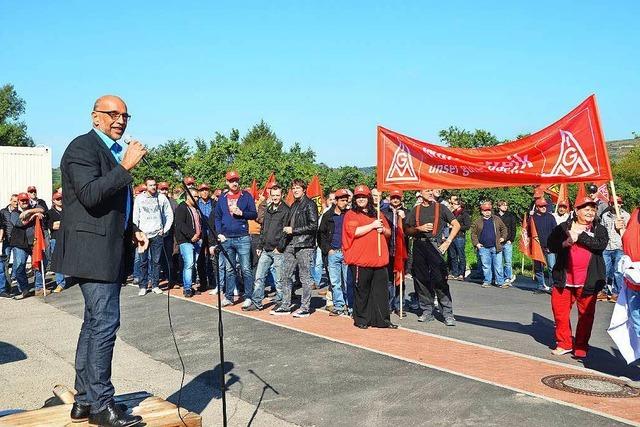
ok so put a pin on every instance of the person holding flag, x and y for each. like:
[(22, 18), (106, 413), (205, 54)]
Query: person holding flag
[(22, 240), (544, 224), (54, 222), (578, 275), (330, 243), (395, 214), (360, 234)]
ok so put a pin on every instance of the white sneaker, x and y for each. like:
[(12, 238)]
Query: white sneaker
[(235, 292), (226, 302), (213, 291), (156, 291), (247, 303), (142, 292)]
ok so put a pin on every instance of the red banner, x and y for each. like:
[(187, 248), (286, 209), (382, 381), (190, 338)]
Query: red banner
[(267, 185), (529, 241), (39, 246), (314, 192), (570, 150)]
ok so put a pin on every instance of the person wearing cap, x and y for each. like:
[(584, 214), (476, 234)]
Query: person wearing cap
[(169, 272), (231, 214), (562, 213), (395, 214), (601, 205), (4, 285), (205, 267), (330, 244), (271, 246), (54, 216), (152, 214), (511, 222), (616, 227), (456, 252), (368, 266), (34, 201), (545, 223), (578, 275), (488, 234), (425, 223), (22, 239), (188, 236), (301, 227), (5, 238)]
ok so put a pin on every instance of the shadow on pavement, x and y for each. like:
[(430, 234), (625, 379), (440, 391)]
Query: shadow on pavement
[(541, 329), (10, 353)]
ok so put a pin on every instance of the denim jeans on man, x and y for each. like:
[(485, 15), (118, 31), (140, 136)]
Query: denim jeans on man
[(189, 253), (239, 250), (633, 304), (539, 269), (59, 276), (6, 255), (137, 273), (491, 266), (317, 270), (150, 263), (458, 257), (95, 344), (507, 259), (338, 271), (20, 270), (611, 259), (267, 260), (301, 258), (4, 285)]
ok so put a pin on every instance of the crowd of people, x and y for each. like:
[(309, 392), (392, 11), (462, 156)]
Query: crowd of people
[(348, 249)]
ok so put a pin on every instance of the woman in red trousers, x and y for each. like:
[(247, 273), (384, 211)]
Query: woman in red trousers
[(360, 233), (578, 276)]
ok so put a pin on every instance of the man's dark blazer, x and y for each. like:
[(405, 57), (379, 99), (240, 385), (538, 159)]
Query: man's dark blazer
[(93, 242)]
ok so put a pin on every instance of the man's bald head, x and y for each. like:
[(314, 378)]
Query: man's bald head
[(110, 116)]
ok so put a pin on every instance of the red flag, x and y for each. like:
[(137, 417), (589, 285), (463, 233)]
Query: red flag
[(267, 185), (570, 150), (603, 191), (563, 193), (289, 199), (536, 249), (525, 238), (401, 254), (253, 189), (39, 246), (529, 241), (314, 192)]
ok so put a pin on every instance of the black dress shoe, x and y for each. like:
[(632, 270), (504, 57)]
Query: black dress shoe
[(112, 416), (80, 412), (357, 325), (390, 325)]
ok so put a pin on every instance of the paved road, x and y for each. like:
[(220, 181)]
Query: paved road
[(313, 381)]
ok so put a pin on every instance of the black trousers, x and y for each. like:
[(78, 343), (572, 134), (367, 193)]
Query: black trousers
[(371, 299), (430, 277)]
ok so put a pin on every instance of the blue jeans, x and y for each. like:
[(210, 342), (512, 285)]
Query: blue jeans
[(611, 259), (20, 270), (633, 304), (491, 265), (338, 271), (539, 269), (150, 263), (137, 273), (59, 276), (267, 260), (95, 344), (238, 248), (4, 260), (458, 257), (6, 254), (316, 271), (507, 258), (189, 253)]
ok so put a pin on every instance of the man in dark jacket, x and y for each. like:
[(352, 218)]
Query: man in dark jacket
[(511, 222), (231, 214), (270, 248), (94, 243), (395, 213), (188, 232), (330, 241), (300, 228), (54, 222), (488, 233), (545, 223), (457, 254), (5, 254)]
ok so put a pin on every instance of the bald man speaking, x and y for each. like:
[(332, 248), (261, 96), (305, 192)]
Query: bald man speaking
[(94, 247)]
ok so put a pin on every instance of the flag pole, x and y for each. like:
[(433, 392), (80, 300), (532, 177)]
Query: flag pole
[(401, 294), (615, 199), (44, 280), (378, 212)]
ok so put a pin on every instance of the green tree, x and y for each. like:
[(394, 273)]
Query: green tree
[(13, 132), (461, 138), (161, 161)]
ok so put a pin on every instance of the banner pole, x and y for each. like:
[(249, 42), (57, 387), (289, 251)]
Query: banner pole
[(615, 199), (401, 293), (522, 267), (378, 212), (44, 281)]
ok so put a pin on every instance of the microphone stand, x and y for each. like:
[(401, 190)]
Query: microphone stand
[(217, 250)]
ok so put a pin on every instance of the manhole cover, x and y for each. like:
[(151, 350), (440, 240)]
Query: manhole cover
[(591, 385)]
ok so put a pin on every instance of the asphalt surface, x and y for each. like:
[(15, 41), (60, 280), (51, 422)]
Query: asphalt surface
[(308, 380)]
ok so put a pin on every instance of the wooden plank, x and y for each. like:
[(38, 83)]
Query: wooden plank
[(155, 412)]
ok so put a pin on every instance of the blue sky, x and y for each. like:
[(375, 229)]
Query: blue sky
[(321, 73)]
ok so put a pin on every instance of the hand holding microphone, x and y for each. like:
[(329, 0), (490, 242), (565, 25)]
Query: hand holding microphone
[(135, 152)]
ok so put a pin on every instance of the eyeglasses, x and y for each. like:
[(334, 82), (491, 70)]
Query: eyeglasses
[(32, 191), (115, 115)]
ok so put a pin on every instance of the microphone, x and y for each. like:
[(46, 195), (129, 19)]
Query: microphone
[(128, 139)]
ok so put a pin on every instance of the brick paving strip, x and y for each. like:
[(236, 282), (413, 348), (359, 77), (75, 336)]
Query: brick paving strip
[(502, 368)]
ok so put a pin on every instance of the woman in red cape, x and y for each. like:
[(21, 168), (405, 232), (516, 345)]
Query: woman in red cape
[(360, 233)]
